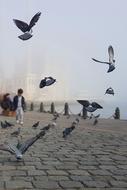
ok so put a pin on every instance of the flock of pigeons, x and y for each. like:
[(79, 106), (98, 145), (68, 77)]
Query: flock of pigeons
[(20, 148), (27, 34), (47, 81), (111, 64), (91, 107)]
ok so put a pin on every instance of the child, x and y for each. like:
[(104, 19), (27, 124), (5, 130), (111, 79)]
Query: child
[(19, 106)]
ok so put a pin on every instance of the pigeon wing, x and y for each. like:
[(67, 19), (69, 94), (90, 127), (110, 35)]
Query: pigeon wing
[(34, 20), (96, 105), (24, 147), (111, 54), (16, 151), (100, 61), (23, 26), (84, 102), (97, 116), (50, 82), (90, 109), (42, 83), (7, 148), (25, 36)]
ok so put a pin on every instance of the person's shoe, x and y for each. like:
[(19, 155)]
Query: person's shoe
[(21, 122), (17, 121)]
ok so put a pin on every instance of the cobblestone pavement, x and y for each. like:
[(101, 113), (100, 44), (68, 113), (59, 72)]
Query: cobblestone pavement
[(91, 158)]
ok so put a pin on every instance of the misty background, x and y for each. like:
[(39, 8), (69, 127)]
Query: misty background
[(68, 34)]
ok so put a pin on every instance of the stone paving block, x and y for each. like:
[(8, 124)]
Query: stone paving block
[(100, 172), (70, 163), (41, 178), (108, 167), (120, 178), (36, 164), (121, 162), (66, 167), (15, 163), (83, 167), (36, 172), (56, 172), (25, 168), (119, 172), (119, 158), (78, 172), (48, 159), (96, 184), (17, 184), (58, 178), (68, 159), (45, 167), (102, 162), (81, 178), (88, 163), (5, 168), (31, 159), (14, 173), (118, 184), (102, 178), (122, 167), (70, 184), (22, 178), (46, 184), (52, 163)]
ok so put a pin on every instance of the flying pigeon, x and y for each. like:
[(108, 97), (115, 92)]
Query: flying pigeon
[(110, 91), (90, 107), (47, 81), (27, 28), (16, 133), (111, 61), (36, 125), (19, 149)]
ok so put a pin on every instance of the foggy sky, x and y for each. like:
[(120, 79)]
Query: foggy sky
[(68, 34)]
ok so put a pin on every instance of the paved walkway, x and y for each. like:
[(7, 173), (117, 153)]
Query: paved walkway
[(92, 158)]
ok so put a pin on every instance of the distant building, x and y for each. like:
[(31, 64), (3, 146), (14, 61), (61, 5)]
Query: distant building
[(30, 84)]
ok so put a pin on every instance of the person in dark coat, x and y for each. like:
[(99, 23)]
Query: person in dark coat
[(19, 106), (7, 104)]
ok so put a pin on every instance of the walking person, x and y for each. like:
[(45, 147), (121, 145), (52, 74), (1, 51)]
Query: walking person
[(19, 106)]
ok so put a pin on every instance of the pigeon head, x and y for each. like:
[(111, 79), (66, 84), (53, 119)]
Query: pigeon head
[(72, 127), (19, 156), (111, 68)]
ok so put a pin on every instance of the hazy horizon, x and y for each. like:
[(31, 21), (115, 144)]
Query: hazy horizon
[(66, 37)]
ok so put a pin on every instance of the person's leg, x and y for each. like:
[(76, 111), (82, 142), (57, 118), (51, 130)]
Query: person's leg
[(21, 116), (17, 115)]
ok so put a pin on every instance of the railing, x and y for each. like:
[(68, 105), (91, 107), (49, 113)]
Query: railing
[(52, 109)]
